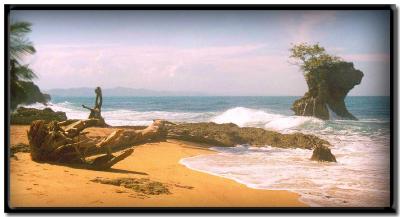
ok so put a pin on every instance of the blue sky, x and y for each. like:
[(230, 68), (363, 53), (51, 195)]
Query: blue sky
[(216, 52)]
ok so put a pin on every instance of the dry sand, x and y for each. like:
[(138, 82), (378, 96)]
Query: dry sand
[(47, 185)]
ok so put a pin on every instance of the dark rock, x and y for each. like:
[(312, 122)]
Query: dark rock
[(46, 97), (27, 115), (322, 153), (328, 85), (21, 147), (26, 92), (142, 185), (231, 135)]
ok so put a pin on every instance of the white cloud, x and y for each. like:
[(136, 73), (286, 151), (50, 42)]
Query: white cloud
[(234, 69), (301, 29)]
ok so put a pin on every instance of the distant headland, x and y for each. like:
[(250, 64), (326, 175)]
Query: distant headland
[(120, 91)]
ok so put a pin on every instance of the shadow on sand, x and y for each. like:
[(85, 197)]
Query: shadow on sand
[(89, 167)]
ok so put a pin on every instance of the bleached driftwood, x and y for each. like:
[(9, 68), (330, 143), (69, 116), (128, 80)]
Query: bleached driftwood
[(52, 143)]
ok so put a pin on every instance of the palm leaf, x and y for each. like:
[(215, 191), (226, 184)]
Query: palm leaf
[(20, 47), (18, 28), (19, 44), (24, 72)]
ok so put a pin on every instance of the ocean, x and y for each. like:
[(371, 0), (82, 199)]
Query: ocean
[(361, 177)]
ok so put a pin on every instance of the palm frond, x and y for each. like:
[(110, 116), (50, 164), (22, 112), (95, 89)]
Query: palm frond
[(19, 44), (20, 47), (20, 28), (24, 72)]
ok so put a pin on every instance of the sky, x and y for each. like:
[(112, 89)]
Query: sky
[(214, 52)]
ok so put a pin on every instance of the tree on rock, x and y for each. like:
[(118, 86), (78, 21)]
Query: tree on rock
[(328, 78)]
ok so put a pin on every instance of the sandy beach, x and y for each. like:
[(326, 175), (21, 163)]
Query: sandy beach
[(35, 184)]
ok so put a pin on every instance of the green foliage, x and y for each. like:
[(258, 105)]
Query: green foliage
[(310, 57), (22, 90), (21, 72), (19, 43), (20, 46)]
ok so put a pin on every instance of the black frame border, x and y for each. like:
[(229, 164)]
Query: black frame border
[(232, 210)]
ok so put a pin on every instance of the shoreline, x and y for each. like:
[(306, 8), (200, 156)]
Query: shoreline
[(68, 186), (309, 204)]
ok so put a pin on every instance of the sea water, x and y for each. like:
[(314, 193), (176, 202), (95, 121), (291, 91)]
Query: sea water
[(361, 176)]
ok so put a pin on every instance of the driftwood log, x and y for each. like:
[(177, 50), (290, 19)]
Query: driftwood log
[(54, 142)]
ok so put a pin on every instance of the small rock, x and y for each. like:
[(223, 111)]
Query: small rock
[(120, 191), (322, 153)]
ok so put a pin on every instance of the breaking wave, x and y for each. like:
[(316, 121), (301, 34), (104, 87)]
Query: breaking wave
[(246, 117), (125, 117)]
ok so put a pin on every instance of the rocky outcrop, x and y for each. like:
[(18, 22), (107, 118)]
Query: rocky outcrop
[(27, 115), (26, 92), (226, 135), (328, 86), (231, 135), (322, 153)]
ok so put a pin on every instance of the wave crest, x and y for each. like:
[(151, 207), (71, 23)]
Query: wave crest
[(244, 117)]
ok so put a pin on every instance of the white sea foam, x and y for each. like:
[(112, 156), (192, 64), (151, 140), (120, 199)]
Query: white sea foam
[(288, 123), (252, 117), (244, 117), (124, 117), (353, 181), (129, 117), (67, 107)]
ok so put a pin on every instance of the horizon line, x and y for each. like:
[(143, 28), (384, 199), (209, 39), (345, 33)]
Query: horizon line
[(217, 95)]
